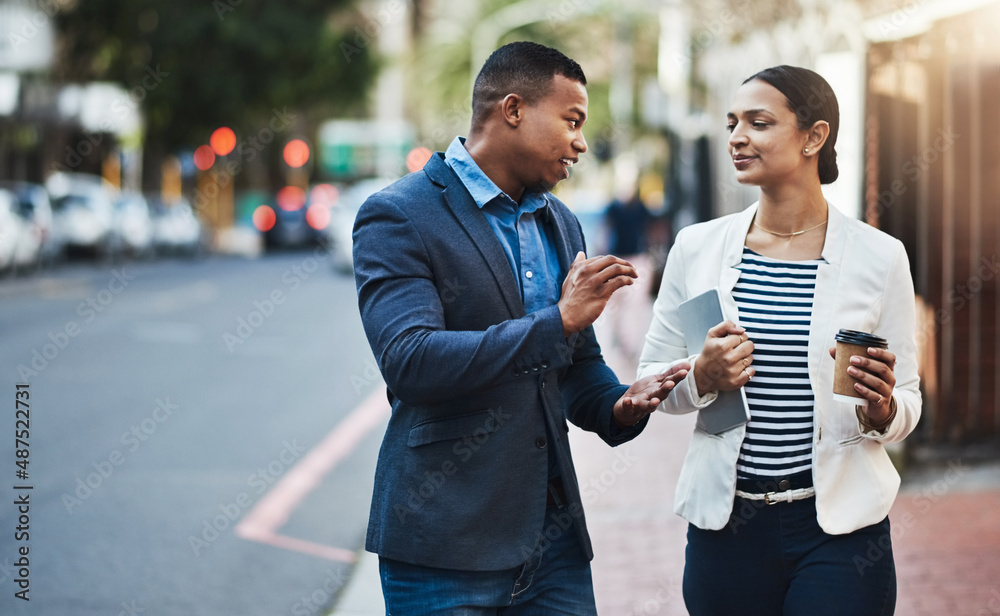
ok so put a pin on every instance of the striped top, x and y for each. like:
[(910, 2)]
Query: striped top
[(775, 300)]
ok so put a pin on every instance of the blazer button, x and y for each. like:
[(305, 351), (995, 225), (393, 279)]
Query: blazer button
[(540, 442), (545, 364), (784, 484), (516, 371), (535, 367)]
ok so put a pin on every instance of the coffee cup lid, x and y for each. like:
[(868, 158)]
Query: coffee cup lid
[(850, 336)]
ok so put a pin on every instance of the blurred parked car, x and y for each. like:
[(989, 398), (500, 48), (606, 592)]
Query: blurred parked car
[(298, 217), (34, 207), (12, 228), (133, 225), (341, 227), (176, 228), (83, 212)]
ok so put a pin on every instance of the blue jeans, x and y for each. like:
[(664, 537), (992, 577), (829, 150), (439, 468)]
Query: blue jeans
[(554, 580), (774, 560)]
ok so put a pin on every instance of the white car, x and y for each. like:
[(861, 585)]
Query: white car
[(134, 228), (12, 229), (83, 211), (39, 246), (342, 217), (176, 228)]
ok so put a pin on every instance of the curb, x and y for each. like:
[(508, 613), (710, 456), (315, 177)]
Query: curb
[(363, 594)]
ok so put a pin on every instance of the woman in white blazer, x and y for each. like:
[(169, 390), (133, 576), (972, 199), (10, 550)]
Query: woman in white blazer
[(791, 272)]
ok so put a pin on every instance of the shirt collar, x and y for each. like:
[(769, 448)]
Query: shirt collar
[(480, 186)]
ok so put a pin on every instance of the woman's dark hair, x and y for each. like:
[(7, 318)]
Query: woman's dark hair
[(522, 68), (812, 99)]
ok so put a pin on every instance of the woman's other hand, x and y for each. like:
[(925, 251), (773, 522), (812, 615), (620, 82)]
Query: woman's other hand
[(726, 361)]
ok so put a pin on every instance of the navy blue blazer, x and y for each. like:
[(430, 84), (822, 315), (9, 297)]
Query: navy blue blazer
[(473, 381)]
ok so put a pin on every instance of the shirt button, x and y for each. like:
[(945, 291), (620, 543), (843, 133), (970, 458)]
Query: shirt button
[(540, 442), (784, 484), (528, 274)]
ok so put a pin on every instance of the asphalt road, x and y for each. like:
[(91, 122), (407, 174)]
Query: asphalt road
[(166, 401)]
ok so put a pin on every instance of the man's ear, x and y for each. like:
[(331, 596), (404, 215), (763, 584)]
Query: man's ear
[(816, 137), (512, 110)]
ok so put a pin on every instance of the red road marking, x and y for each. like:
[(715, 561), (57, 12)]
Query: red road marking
[(262, 523)]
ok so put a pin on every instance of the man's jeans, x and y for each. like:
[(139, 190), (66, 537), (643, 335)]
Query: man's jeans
[(554, 580)]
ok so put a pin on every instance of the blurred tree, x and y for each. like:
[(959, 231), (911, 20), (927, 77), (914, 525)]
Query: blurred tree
[(195, 65)]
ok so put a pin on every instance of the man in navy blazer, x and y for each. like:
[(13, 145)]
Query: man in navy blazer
[(477, 300)]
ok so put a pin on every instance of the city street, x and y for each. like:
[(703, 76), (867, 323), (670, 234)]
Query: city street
[(167, 401)]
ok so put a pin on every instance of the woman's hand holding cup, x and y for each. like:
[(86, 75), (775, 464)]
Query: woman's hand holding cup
[(875, 380), (725, 362)]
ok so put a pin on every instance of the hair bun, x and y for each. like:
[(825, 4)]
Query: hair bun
[(828, 170)]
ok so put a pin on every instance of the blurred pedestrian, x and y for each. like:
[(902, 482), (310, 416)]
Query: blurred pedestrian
[(627, 221), (791, 271), (477, 300)]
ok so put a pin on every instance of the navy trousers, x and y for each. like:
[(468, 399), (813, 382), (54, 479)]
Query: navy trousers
[(775, 560)]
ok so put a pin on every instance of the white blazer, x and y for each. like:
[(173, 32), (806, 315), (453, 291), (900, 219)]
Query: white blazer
[(864, 285)]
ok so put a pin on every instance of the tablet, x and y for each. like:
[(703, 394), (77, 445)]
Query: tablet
[(698, 315)]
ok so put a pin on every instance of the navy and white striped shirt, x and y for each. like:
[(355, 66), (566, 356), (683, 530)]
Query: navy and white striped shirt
[(775, 300)]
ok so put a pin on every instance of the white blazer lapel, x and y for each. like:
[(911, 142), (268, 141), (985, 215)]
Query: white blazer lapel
[(732, 256)]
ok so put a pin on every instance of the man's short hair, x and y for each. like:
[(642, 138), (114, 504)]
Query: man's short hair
[(521, 68)]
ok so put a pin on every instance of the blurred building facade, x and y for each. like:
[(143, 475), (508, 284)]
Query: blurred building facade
[(47, 127), (919, 158)]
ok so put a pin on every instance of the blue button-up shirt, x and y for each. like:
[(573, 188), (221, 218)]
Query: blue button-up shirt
[(520, 228), (521, 231)]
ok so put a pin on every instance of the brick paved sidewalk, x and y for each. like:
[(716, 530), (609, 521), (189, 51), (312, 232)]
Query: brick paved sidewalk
[(945, 523)]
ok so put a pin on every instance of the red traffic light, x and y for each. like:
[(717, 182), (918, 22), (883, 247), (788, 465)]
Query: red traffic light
[(204, 158), (223, 140), (296, 153)]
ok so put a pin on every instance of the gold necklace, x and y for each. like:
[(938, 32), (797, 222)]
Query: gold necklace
[(787, 234)]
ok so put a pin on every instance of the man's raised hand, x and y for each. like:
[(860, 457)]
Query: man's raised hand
[(588, 287)]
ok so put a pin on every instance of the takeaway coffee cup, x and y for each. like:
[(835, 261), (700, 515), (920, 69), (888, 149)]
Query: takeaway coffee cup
[(849, 343)]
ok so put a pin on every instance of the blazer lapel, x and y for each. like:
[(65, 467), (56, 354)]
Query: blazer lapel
[(556, 224), (474, 222), (732, 256), (827, 283)]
